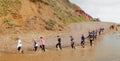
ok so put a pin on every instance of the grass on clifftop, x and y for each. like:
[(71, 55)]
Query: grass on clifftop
[(74, 19), (50, 24), (82, 19), (10, 23), (7, 6), (67, 22)]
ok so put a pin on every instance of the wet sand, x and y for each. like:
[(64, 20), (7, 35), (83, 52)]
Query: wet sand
[(103, 49)]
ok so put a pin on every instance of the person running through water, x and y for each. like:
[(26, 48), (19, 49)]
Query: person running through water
[(72, 42), (99, 31), (96, 32), (93, 34), (42, 46), (82, 41), (35, 46), (58, 45), (91, 38), (19, 46)]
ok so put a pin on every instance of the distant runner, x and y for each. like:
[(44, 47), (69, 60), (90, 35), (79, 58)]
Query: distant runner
[(91, 38), (42, 46), (96, 33), (72, 42), (58, 45), (99, 31), (19, 46), (82, 41), (35, 45)]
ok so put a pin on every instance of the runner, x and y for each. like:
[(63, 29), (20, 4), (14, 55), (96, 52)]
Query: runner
[(35, 45), (58, 45), (72, 42), (96, 33), (82, 41), (91, 38), (19, 46), (42, 46)]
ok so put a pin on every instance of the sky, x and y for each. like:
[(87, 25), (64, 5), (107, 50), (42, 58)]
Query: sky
[(105, 10)]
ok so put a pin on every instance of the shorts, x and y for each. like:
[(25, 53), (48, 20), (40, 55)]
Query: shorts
[(19, 48)]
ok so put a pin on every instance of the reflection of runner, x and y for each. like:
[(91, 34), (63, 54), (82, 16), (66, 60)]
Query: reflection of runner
[(59, 43), (72, 42), (83, 41)]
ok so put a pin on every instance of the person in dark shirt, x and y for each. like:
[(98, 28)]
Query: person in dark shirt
[(58, 45), (35, 46), (91, 38), (82, 41), (72, 42), (95, 35)]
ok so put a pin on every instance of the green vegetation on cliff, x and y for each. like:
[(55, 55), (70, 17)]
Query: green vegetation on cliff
[(7, 6), (37, 15)]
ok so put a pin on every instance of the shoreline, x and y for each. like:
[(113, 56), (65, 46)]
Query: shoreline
[(52, 54), (51, 41), (80, 53)]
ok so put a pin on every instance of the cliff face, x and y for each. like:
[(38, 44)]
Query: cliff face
[(82, 13), (22, 16)]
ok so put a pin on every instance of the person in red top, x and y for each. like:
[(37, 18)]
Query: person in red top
[(99, 30)]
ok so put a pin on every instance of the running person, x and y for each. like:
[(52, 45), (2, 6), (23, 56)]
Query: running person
[(83, 41), (99, 31), (91, 38), (42, 46), (72, 42), (19, 46), (35, 46), (96, 33), (58, 45), (93, 34)]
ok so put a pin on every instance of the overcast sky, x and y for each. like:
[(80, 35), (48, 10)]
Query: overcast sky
[(106, 10)]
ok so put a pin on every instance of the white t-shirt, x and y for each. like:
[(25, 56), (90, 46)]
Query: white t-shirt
[(19, 43), (36, 44)]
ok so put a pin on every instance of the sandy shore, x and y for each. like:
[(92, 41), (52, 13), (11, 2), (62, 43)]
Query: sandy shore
[(9, 53)]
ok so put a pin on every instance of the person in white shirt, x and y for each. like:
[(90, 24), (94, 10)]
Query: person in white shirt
[(19, 46), (35, 45)]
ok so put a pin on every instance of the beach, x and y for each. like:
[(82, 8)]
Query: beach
[(97, 52)]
